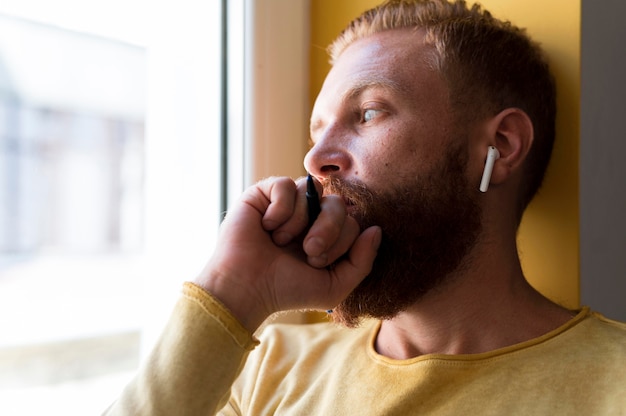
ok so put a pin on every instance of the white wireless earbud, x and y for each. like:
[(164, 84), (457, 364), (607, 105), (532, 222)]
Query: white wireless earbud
[(492, 156)]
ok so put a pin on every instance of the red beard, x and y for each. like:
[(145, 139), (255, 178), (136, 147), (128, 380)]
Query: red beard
[(429, 226)]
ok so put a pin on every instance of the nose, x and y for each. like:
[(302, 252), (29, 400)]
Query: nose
[(329, 155)]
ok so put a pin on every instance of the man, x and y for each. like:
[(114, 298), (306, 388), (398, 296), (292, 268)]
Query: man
[(419, 267)]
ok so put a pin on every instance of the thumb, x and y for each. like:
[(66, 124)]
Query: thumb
[(348, 273)]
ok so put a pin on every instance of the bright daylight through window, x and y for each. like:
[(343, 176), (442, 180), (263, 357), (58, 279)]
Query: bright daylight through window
[(109, 176)]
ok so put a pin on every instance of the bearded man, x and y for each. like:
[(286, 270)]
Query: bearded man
[(419, 267)]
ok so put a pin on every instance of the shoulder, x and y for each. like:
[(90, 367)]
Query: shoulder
[(595, 342), (318, 345), (616, 327), (303, 349), (598, 327), (314, 336), (603, 332), (588, 343), (599, 357)]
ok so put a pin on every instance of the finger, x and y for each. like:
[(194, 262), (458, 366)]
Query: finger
[(324, 288), (328, 228), (280, 195), (298, 219), (349, 233), (332, 229), (348, 273)]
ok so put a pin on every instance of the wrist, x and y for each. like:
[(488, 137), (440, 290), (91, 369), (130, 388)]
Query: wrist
[(214, 307), (235, 298)]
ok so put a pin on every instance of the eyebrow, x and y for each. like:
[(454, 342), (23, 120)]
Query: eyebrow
[(369, 83)]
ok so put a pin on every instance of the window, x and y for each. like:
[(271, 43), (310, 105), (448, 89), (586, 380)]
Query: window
[(72, 141), (111, 181), (109, 187)]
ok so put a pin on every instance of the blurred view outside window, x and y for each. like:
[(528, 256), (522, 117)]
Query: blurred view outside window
[(71, 141), (92, 191)]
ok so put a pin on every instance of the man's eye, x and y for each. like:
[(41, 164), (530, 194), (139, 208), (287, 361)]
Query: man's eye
[(369, 114)]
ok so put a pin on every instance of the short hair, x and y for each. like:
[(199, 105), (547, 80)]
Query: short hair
[(489, 65)]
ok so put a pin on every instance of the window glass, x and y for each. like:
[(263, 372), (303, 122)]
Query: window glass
[(109, 188)]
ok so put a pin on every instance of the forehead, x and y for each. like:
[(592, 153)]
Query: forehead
[(396, 59)]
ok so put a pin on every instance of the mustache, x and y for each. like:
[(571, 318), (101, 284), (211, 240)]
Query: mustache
[(353, 192), (357, 196)]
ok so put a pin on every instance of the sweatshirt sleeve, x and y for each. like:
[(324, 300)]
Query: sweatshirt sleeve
[(193, 365)]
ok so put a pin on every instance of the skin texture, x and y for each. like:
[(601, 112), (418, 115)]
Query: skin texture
[(380, 119), (401, 99), (383, 119), (429, 225)]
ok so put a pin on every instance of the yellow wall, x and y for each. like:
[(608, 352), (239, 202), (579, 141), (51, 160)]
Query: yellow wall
[(549, 233)]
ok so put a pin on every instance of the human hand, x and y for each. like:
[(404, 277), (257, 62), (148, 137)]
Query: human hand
[(266, 261)]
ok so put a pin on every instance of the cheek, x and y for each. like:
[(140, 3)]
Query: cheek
[(401, 150)]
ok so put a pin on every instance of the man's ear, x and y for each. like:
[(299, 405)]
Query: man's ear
[(511, 132)]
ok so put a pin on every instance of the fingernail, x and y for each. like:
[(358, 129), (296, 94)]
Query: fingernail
[(282, 237), (377, 239), (318, 261)]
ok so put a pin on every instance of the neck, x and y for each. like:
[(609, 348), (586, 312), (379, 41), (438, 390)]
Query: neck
[(480, 309)]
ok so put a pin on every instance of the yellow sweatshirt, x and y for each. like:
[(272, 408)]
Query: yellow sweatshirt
[(324, 369)]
